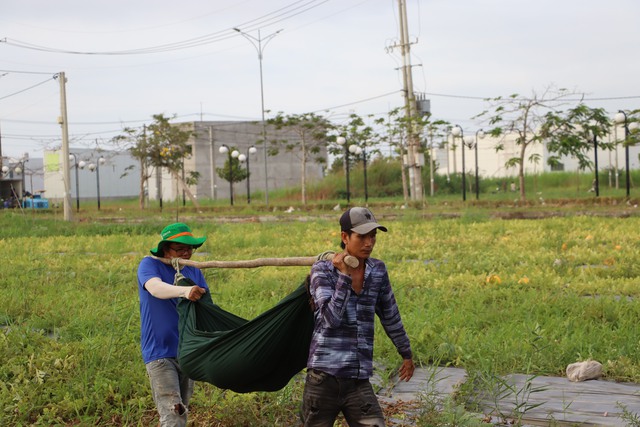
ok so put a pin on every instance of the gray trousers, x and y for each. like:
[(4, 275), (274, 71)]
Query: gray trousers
[(171, 390)]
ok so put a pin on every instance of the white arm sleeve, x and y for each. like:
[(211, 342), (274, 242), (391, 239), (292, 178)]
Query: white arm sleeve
[(163, 290)]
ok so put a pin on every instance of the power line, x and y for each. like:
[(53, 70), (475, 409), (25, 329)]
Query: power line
[(479, 98), (272, 18), (26, 89), (358, 102), (24, 72)]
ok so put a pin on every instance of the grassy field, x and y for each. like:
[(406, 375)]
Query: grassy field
[(490, 295)]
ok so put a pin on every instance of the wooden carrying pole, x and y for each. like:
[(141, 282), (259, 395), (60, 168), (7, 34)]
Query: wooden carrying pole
[(261, 262)]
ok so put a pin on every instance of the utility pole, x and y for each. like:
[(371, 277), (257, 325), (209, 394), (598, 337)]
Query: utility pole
[(413, 146), (66, 174)]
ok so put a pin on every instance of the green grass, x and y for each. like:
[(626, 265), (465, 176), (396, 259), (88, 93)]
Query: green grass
[(487, 295)]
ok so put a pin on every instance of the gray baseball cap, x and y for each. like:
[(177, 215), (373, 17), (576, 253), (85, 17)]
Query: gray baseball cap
[(359, 220)]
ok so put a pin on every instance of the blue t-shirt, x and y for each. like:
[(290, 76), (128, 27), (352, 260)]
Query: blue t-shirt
[(159, 317)]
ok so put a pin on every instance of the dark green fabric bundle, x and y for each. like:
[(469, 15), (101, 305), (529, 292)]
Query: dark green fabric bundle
[(232, 353)]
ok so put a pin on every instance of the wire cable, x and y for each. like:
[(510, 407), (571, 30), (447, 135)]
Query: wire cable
[(26, 89), (272, 18)]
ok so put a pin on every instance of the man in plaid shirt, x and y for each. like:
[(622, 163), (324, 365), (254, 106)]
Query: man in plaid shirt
[(346, 300)]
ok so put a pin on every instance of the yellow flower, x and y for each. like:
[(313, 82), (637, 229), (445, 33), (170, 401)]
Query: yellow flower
[(523, 281), (564, 246), (617, 247), (589, 237), (494, 278)]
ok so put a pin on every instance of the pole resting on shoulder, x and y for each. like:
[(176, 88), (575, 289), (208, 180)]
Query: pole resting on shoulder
[(260, 262)]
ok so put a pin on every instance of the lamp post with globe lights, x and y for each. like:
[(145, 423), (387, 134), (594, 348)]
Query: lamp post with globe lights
[(361, 151), (457, 131), (622, 118), (342, 141), (21, 170), (259, 43), (430, 146), (74, 157), (224, 149), (17, 169), (479, 135), (245, 158), (95, 167), (5, 171), (596, 181)]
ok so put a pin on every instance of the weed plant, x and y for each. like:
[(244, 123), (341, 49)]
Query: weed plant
[(470, 290)]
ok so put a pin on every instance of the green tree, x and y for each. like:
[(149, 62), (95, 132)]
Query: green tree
[(522, 117), (311, 136), (398, 127), (232, 171), (135, 141), (571, 133), (434, 130), (362, 141), (160, 145)]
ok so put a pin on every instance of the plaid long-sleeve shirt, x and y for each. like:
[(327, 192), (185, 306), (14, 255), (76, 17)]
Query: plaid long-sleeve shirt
[(342, 342)]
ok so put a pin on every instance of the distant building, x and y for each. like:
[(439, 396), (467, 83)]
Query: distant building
[(119, 175), (284, 169), (492, 163)]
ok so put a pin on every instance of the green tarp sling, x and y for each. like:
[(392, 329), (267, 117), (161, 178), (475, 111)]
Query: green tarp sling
[(232, 353)]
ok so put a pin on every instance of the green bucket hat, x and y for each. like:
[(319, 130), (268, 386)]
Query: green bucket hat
[(179, 233)]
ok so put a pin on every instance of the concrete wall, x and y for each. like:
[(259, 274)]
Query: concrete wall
[(284, 169), (115, 178)]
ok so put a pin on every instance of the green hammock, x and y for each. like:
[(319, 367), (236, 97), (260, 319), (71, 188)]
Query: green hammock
[(232, 353)]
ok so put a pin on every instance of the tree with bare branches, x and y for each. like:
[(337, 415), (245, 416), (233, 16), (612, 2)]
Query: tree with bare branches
[(311, 132), (160, 145), (524, 117)]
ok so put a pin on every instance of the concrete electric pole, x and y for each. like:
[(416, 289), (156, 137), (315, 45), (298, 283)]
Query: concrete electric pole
[(413, 149), (66, 174)]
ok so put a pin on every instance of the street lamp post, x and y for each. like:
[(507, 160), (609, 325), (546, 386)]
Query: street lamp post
[(96, 167), (457, 131), (431, 179), (479, 135), (364, 164), (595, 158), (243, 158), (6, 170), (19, 169), (361, 151), (259, 44), (232, 155), (73, 157), (343, 143), (621, 118)]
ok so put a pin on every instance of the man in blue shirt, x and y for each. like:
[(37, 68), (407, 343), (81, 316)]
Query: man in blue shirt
[(159, 296), (346, 300)]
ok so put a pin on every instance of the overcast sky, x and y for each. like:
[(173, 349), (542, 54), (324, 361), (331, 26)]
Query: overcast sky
[(135, 58)]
